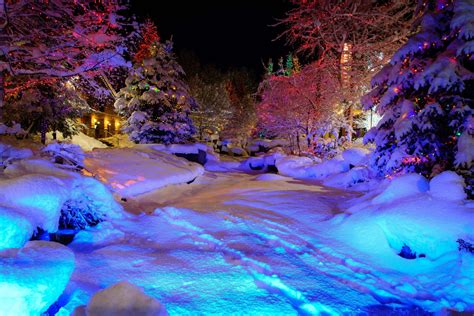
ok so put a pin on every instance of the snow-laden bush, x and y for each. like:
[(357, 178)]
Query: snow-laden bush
[(9, 154), (66, 154), (15, 129)]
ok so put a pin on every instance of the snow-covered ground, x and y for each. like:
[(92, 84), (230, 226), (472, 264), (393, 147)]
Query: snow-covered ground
[(240, 241), (268, 245)]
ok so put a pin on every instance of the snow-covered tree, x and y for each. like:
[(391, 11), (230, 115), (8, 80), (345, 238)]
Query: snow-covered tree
[(214, 110), (43, 106), (297, 106), (352, 38), (426, 94), (58, 38), (156, 101), (240, 86)]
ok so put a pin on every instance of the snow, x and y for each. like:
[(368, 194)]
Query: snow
[(267, 244), (87, 143), (33, 192), (134, 171), (37, 197), (449, 186), (403, 187), (378, 229), (15, 229), (355, 156), (240, 241), (33, 277), (123, 299), (15, 129), (293, 166), (10, 153)]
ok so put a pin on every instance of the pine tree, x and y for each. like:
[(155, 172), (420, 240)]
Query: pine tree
[(289, 65), (156, 101), (426, 96)]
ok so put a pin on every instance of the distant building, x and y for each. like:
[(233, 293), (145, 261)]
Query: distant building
[(100, 124)]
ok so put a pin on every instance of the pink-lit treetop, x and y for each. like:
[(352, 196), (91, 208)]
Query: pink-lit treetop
[(58, 38), (297, 105)]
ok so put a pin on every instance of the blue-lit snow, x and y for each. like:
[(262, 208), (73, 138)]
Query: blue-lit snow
[(234, 244), (32, 278)]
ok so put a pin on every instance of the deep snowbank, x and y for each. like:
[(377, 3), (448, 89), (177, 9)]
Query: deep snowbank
[(33, 278), (405, 229)]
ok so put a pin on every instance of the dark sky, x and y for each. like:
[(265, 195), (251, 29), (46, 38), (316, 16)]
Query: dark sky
[(227, 33)]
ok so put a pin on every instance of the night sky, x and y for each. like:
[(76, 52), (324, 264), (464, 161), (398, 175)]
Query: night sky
[(230, 33)]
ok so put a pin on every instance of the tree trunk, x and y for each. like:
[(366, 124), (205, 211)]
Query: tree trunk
[(43, 130), (298, 142), (350, 123), (43, 138), (2, 91)]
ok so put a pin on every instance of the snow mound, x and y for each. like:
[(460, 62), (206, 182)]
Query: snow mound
[(37, 197), (100, 235), (355, 156), (402, 187), (9, 153), (134, 171), (448, 185), (123, 299), (13, 130), (87, 143), (15, 229), (33, 278), (416, 222), (348, 179), (37, 191), (293, 166), (326, 168)]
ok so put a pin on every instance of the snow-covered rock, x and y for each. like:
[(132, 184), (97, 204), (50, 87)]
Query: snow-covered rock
[(355, 156), (326, 168), (32, 278), (134, 171), (37, 197), (293, 166), (448, 185), (15, 229), (124, 299), (36, 191), (239, 151), (402, 187)]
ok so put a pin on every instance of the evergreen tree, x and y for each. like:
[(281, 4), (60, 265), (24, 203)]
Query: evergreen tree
[(426, 96), (156, 101), (289, 65)]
